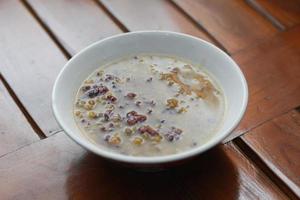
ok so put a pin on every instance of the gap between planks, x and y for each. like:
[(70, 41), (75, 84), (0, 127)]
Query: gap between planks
[(198, 25), (30, 120), (111, 16), (259, 163), (245, 149), (46, 28), (262, 11), (259, 124), (11, 152), (252, 4), (298, 109)]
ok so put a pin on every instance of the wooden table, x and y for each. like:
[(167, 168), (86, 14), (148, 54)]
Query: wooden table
[(260, 160)]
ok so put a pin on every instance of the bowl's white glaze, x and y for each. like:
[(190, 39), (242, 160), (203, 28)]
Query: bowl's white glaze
[(217, 63)]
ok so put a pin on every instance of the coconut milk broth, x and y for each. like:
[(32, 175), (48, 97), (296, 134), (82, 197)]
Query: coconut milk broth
[(149, 105)]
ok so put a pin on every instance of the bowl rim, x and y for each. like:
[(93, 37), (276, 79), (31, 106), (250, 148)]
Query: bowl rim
[(153, 159)]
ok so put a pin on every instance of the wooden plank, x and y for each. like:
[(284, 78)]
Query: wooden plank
[(277, 143), (15, 131), (30, 62), (273, 74), (57, 168), (156, 15), (287, 11), (85, 189), (82, 23), (233, 23), (52, 183)]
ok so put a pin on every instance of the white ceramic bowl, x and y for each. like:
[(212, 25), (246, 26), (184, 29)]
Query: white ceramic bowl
[(224, 70)]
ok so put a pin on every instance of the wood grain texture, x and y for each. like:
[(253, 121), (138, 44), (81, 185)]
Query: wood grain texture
[(75, 23), (277, 143), (15, 131), (30, 61), (57, 168), (153, 15), (233, 23), (273, 74), (287, 11)]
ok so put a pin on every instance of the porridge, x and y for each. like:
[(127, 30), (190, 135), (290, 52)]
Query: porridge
[(149, 106)]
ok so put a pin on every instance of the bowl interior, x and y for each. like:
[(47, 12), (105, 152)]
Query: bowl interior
[(216, 63)]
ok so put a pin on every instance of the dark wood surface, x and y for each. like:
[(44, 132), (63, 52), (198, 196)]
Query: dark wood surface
[(156, 15), (15, 130), (58, 168), (233, 23), (83, 24), (260, 159), (286, 12), (30, 62), (273, 75), (281, 153)]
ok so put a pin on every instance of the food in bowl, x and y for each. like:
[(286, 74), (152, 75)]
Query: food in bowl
[(149, 105)]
